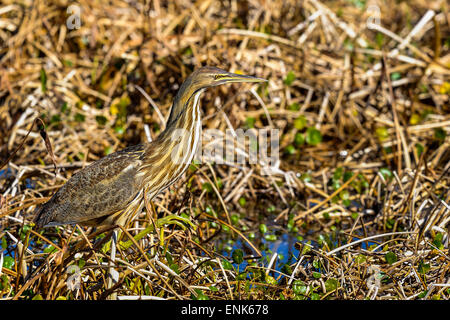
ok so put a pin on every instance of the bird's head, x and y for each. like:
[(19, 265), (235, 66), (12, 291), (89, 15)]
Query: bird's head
[(206, 77), (201, 79), (210, 76)]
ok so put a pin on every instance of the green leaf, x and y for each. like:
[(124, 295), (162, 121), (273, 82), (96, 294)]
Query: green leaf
[(290, 77), (422, 294), (119, 130), (238, 256), (348, 175), (210, 211), (271, 280), (294, 106), (286, 268), (419, 149), (424, 267), (250, 122), (300, 123), (24, 231), (290, 149), (360, 4), (227, 265), (306, 177), (317, 275), (315, 296), (338, 173), (213, 224), (437, 241), (262, 228), (270, 237), (390, 257), (379, 38), (306, 248), (8, 262), (50, 249), (299, 139), (175, 268), (242, 201), (316, 263), (242, 276), (336, 184), (101, 120), (313, 136), (79, 117), (200, 295), (390, 223), (344, 195), (415, 119), (440, 134), (382, 133), (64, 107), (207, 187), (387, 174), (188, 51), (43, 77), (169, 257), (108, 150), (396, 76), (225, 228), (55, 119), (81, 263), (360, 258), (348, 44), (331, 284), (291, 224), (299, 287)]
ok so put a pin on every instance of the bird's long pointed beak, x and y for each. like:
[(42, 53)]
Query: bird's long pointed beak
[(234, 77)]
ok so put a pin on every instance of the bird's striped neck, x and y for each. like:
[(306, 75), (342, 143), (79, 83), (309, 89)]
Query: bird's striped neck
[(185, 130), (178, 143)]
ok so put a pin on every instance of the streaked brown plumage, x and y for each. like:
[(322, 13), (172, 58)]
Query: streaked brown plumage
[(111, 189)]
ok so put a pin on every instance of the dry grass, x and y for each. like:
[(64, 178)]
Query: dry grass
[(378, 95)]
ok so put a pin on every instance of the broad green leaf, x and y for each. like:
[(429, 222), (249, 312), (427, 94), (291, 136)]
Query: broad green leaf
[(290, 77), (331, 284), (8, 262), (313, 136), (262, 228), (299, 139), (390, 257), (300, 123), (270, 237), (299, 287), (227, 265), (238, 256)]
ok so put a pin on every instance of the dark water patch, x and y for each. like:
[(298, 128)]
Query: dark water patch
[(6, 173)]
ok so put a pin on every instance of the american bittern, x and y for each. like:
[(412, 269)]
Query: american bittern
[(111, 189)]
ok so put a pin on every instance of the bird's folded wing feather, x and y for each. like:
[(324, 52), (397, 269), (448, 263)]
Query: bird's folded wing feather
[(104, 187)]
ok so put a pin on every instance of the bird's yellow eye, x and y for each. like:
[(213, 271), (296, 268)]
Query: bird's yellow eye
[(219, 76)]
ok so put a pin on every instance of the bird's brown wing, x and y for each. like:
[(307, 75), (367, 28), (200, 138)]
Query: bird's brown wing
[(105, 187)]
